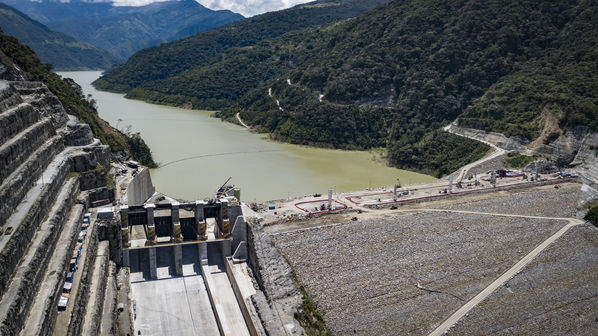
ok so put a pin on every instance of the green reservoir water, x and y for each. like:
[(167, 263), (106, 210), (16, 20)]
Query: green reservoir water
[(198, 153)]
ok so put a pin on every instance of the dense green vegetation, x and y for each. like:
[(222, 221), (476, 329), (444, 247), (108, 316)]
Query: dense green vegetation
[(173, 58), (62, 51), (140, 151), (70, 94), (562, 78), (518, 161), (393, 76), (592, 214), (437, 153)]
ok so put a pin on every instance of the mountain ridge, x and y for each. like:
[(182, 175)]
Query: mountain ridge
[(64, 52), (175, 57), (394, 75), (123, 30)]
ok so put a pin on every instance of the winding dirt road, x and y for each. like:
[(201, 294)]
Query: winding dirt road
[(241, 121), (497, 152)]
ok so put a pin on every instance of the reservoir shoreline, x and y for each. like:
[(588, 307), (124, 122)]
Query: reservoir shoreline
[(197, 153)]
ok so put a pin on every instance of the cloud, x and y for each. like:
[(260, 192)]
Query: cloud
[(251, 7), (131, 2), (245, 7)]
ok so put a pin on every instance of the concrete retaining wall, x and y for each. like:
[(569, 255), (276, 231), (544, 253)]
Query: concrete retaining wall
[(239, 234), (204, 270), (109, 324), (140, 188), (244, 309)]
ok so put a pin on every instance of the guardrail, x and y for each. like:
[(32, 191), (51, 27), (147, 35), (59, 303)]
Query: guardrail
[(464, 192)]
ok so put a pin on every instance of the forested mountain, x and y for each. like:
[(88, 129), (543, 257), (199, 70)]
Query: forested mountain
[(170, 59), (12, 52), (393, 76), (123, 30), (62, 51)]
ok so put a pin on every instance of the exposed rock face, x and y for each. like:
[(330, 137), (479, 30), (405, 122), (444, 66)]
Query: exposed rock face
[(500, 140), (577, 147), (39, 146), (542, 166), (586, 159), (279, 298), (45, 102), (77, 134)]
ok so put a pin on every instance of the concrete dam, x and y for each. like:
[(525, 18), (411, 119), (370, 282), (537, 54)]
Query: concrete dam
[(88, 247)]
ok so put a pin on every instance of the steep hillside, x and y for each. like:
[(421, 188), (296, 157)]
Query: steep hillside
[(71, 97), (62, 51), (173, 58), (562, 84), (123, 30), (395, 74)]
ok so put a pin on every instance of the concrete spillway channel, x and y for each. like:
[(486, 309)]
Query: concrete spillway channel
[(225, 304), (200, 302), (170, 305)]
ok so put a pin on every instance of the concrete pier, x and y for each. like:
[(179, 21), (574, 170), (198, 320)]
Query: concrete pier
[(152, 263), (178, 260), (176, 225), (151, 228), (203, 253), (126, 258), (239, 233)]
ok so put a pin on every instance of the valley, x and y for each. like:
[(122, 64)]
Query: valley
[(340, 167), (210, 147)]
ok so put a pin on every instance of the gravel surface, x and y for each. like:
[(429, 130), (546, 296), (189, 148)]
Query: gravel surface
[(557, 294), (545, 201), (494, 164), (364, 275)]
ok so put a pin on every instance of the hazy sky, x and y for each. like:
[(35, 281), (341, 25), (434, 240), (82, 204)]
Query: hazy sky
[(244, 7)]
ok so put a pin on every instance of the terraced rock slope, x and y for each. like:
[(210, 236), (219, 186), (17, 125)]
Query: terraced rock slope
[(43, 199)]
